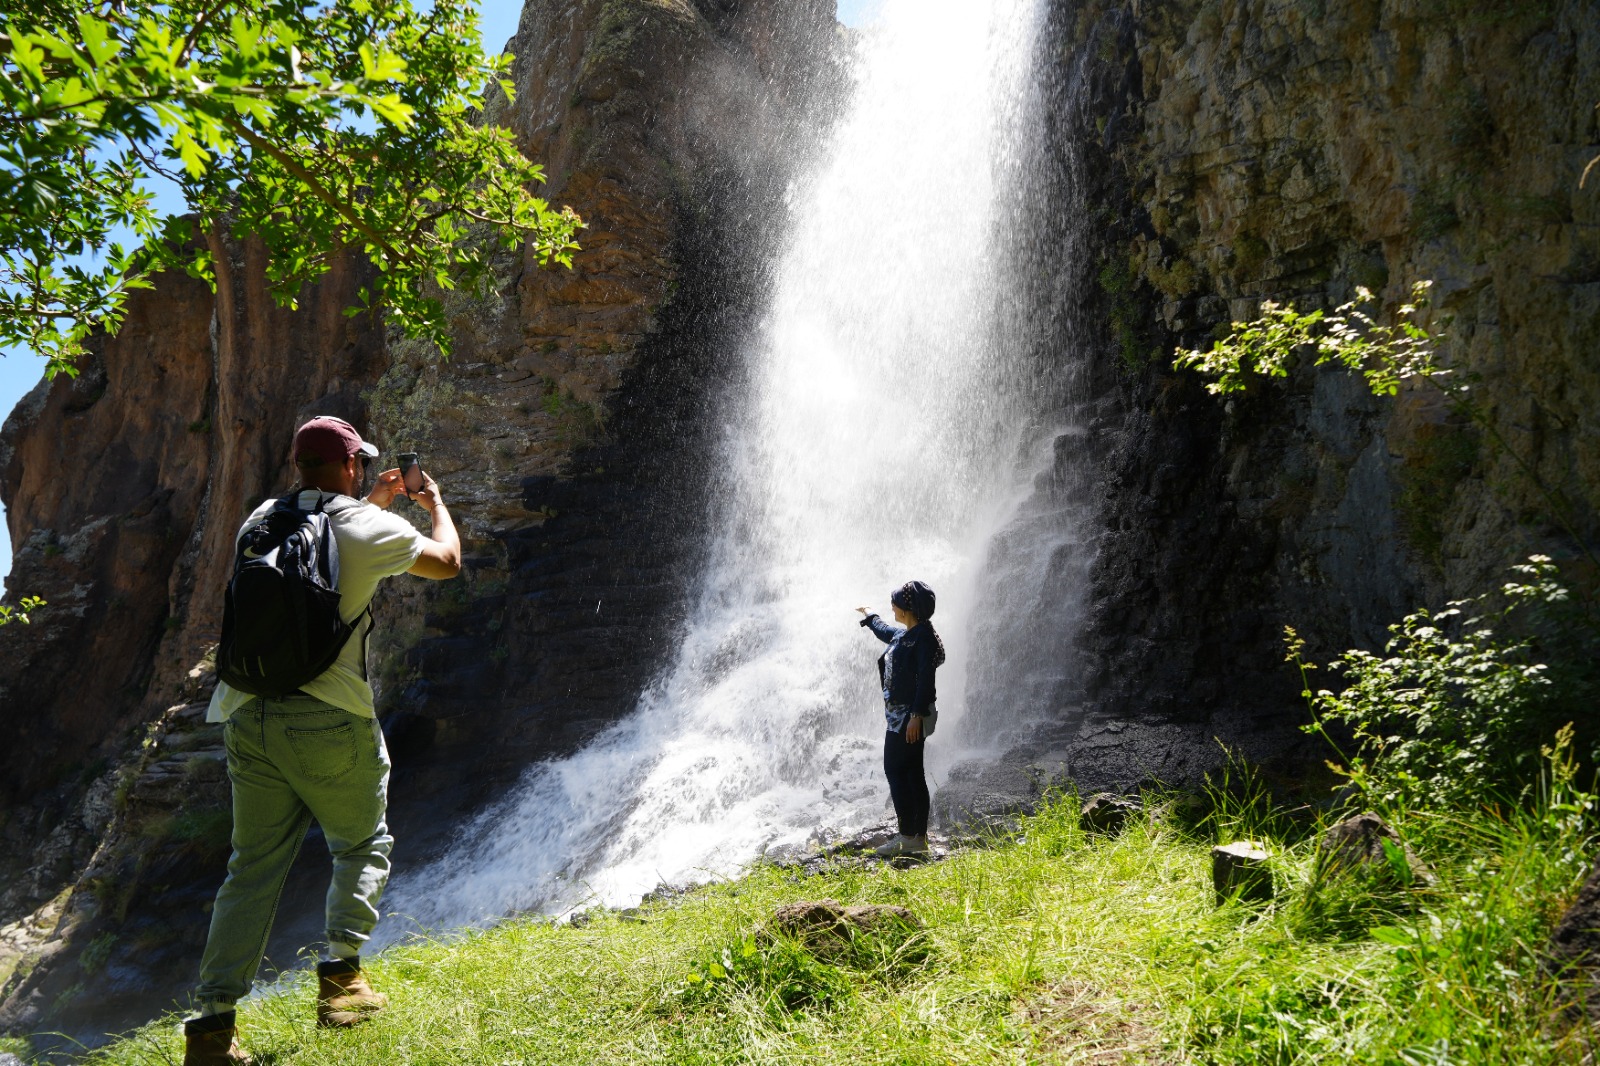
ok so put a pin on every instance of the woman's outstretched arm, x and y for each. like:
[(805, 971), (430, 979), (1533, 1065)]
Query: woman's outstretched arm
[(884, 631)]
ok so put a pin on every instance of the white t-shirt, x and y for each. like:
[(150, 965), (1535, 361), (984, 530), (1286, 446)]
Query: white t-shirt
[(373, 545)]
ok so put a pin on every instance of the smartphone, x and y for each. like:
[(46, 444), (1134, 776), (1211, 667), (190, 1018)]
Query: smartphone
[(411, 473)]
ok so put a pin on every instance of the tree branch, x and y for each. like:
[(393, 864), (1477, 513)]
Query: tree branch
[(193, 35), (35, 312), (320, 191)]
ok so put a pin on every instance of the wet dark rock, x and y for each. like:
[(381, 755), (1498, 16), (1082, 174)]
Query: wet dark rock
[(829, 851), (1107, 813), (408, 735), (1573, 954), (1357, 843), (669, 893), (1094, 752)]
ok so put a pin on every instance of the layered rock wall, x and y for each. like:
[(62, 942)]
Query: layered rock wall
[(110, 479), (1205, 156), (1292, 152), (568, 430)]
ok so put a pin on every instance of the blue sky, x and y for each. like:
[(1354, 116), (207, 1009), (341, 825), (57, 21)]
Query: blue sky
[(21, 370)]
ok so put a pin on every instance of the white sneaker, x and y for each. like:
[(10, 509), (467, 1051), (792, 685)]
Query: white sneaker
[(903, 845), (895, 847)]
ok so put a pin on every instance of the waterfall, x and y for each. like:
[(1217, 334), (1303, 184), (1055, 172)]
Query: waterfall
[(889, 428)]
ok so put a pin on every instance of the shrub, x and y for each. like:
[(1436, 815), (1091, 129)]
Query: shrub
[(777, 973), (1453, 714)]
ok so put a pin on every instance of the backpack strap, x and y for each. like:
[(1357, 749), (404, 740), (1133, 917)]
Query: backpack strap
[(329, 503), (337, 503), (372, 622), (332, 504)]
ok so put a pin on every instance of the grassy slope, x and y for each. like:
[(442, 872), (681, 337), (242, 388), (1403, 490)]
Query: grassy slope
[(1045, 948)]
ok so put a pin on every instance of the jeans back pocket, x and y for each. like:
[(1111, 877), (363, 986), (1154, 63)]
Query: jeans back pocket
[(324, 753)]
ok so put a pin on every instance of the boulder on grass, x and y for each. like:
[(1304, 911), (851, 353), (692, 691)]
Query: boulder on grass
[(1107, 813), (1357, 843), (1573, 956), (1240, 870), (827, 927)]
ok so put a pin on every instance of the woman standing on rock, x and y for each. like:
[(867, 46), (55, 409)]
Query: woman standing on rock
[(906, 670)]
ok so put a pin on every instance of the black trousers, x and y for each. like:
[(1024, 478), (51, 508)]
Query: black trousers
[(908, 786)]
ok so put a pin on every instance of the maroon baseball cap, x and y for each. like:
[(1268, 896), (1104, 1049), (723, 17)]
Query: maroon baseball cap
[(330, 439)]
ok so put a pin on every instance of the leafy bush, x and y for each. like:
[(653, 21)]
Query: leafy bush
[(1453, 715)]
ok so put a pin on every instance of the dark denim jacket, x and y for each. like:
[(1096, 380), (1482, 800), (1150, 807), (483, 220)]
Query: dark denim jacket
[(906, 668)]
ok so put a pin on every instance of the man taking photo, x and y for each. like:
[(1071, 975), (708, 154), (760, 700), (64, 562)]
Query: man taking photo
[(302, 750)]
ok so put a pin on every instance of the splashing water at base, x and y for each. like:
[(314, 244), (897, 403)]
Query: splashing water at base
[(878, 441)]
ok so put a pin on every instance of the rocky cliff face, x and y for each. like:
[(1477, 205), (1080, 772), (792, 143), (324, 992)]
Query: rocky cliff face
[(1294, 152), (567, 430), (1224, 153)]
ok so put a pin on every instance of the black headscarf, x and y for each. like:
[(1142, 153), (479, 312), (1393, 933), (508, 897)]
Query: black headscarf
[(916, 597)]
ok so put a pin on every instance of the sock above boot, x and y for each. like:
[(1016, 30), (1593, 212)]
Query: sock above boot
[(212, 1023), (336, 967)]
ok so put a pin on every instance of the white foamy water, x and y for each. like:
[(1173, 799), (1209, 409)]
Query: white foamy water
[(878, 441)]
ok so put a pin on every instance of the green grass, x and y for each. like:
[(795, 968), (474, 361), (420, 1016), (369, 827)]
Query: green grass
[(1045, 947)]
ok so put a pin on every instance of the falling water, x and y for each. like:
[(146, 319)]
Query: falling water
[(886, 433)]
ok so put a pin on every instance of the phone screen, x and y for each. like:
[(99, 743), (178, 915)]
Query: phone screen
[(411, 472)]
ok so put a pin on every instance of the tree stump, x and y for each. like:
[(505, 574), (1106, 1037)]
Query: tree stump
[(1107, 813), (1240, 870)]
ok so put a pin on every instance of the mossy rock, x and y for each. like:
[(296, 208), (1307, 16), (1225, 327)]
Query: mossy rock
[(834, 932)]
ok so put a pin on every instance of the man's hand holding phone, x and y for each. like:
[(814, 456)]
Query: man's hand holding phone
[(442, 558), (389, 485), (428, 496), (409, 480), (411, 473), (416, 484)]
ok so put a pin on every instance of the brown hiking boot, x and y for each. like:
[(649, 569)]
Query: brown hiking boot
[(213, 1041), (343, 996)]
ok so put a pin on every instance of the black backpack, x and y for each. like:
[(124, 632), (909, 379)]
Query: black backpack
[(280, 617)]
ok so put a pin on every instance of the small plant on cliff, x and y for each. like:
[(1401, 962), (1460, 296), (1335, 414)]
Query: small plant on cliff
[(316, 130), (21, 612), (1385, 355)]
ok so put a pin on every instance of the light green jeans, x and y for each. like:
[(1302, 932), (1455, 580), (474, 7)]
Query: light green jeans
[(291, 760)]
